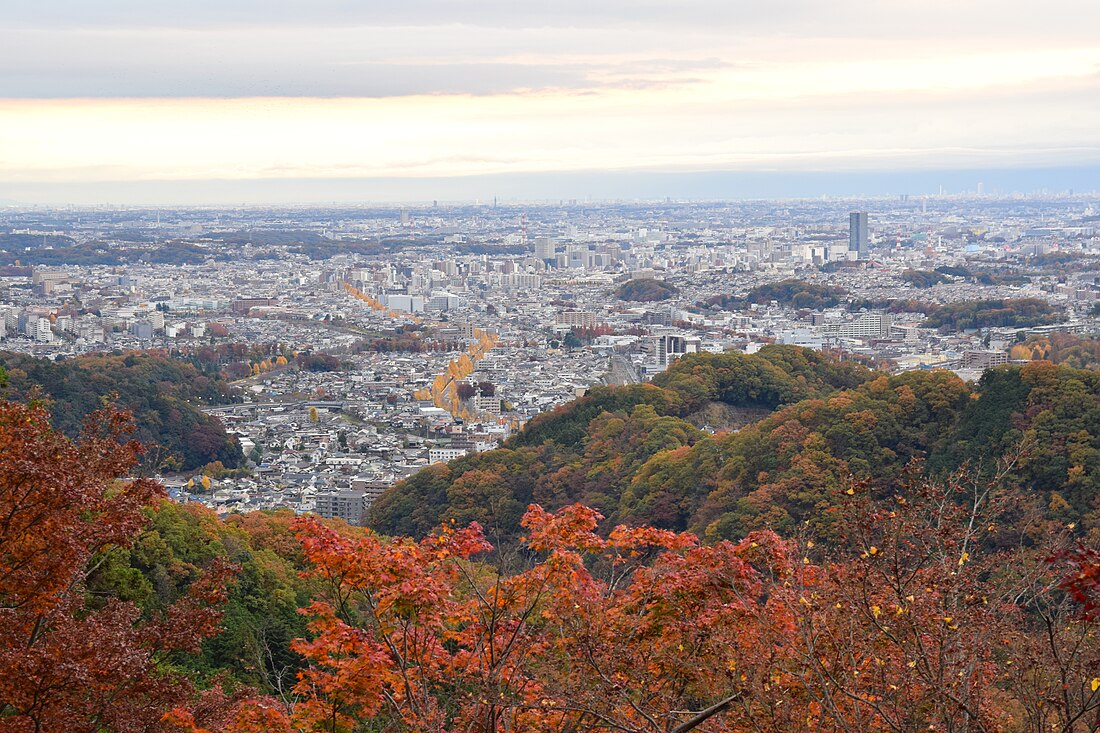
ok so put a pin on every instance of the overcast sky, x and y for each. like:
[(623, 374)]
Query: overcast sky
[(194, 90)]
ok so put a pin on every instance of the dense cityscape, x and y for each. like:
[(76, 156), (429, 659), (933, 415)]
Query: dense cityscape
[(385, 339)]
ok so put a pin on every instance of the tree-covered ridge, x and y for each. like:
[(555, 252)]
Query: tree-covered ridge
[(790, 467), (645, 290), (1007, 313), (774, 376), (260, 618), (924, 278), (1079, 352), (117, 606), (793, 293), (630, 453), (72, 658), (797, 294), (162, 393), (591, 449)]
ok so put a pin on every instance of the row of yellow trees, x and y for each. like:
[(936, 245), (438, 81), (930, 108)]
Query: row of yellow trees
[(267, 365), (377, 305), (1032, 351), (443, 391)]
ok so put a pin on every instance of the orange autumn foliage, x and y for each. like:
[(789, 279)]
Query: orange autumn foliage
[(908, 628)]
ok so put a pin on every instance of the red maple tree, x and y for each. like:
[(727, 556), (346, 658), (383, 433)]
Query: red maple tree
[(68, 663), (914, 621)]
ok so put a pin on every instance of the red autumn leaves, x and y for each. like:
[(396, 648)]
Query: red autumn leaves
[(909, 619), (69, 661)]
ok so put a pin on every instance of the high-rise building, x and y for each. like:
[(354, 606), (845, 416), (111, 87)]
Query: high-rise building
[(857, 234), (670, 347), (142, 330), (42, 331), (347, 505), (868, 325), (545, 248)]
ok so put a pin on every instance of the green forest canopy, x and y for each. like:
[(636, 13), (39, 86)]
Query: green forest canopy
[(162, 393), (1005, 313)]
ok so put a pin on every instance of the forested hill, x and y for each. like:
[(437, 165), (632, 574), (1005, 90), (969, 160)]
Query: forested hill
[(645, 290), (162, 393), (591, 449), (634, 454)]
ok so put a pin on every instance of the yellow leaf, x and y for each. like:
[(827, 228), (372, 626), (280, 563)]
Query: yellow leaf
[(876, 611), (850, 492), (1095, 684), (873, 550)]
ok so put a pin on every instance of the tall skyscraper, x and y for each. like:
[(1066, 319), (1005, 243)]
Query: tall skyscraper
[(545, 248), (857, 234)]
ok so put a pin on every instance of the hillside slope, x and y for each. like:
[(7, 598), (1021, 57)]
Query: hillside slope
[(631, 453), (591, 449)]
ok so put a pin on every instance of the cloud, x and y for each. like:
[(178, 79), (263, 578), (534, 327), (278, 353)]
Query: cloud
[(228, 48), (349, 63), (241, 89), (929, 18), (859, 126)]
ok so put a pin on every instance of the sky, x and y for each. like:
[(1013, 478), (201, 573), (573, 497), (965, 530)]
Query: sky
[(141, 101)]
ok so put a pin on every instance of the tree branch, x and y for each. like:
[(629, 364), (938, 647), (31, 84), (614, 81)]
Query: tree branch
[(719, 707)]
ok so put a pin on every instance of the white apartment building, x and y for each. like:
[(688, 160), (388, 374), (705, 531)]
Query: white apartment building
[(580, 319), (42, 331), (442, 455), (868, 325)]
